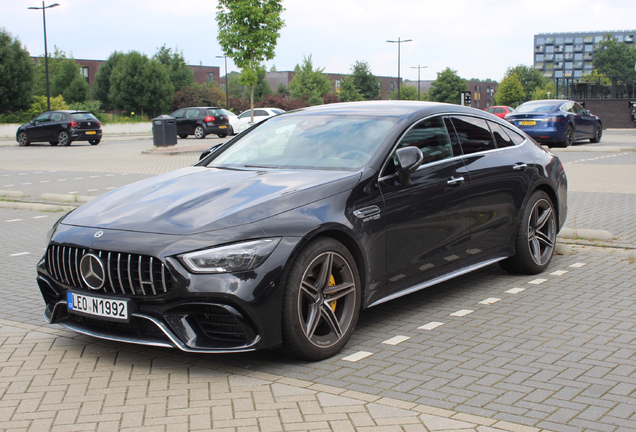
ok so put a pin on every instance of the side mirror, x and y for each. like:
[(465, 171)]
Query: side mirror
[(407, 160), (207, 152)]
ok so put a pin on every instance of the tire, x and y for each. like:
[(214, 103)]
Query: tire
[(222, 135), (321, 300), (568, 139), (598, 133), (23, 139), (536, 237), (183, 136), (199, 132), (231, 131), (94, 142), (64, 138), (53, 143)]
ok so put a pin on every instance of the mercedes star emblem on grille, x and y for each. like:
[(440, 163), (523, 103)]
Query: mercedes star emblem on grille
[(98, 234), (93, 272)]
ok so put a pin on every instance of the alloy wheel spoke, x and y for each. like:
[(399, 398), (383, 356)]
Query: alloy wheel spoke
[(543, 218), (338, 291), (535, 249), (325, 271), (543, 238), (332, 321), (309, 289), (313, 319)]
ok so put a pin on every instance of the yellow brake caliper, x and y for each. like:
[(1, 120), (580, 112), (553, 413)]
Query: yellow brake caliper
[(332, 282)]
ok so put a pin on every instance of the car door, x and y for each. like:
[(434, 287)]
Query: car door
[(178, 116), (37, 129), (499, 180), (190, 120), (52, 128), (427, 222), (586, 120)]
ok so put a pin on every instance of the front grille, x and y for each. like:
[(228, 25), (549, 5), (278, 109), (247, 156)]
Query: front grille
[(127, 274), (219, 324)]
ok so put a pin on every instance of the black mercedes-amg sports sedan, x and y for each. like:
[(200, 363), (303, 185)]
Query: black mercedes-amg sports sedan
[(280, 236)]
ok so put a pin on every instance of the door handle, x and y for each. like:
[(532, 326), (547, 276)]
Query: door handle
[(519, 166), (454, 181)]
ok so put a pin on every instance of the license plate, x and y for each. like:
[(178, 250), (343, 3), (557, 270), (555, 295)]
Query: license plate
[(98, 306), (527, 123), (91, 133), (222, 127)]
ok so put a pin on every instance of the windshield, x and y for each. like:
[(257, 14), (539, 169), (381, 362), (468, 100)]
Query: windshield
[(84, 116), (534, 108), (308, 142)]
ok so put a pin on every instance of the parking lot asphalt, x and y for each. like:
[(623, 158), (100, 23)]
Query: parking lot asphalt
[(488, 351)]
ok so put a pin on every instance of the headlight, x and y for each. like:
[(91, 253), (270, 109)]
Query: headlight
[(49, 235), (232, 258)]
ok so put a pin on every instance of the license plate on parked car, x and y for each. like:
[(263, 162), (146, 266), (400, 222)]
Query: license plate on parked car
[(91, 133), (527, 123), (97, 306), (222, 127)]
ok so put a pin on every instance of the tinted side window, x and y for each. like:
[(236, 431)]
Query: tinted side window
[(501, 137), (42, 118), (260, 113), (516, 138), (474, 134), (178, 114), (215, 112), (192, 113), (57, 116)]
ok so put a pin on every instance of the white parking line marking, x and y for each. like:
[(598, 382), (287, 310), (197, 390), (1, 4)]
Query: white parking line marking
[(537, 281), (39, 217), (22, 174), (27, 183), (461, 313), (21, 253), (94, 176), (357, 356), (430, 326), (396, 340), (38, 172), (62, 180), (8, 185), (489, 301), (515, 290), (91, 190), (45, 181), (78, 178), (110, 188), (73, 193), (6, 175), (577, 265), (109, 175), (14, 220), (559, 272)]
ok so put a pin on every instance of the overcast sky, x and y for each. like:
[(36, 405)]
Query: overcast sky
[(478, 38)]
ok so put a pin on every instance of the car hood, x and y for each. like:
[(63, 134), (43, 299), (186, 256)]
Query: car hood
[(199, 199)]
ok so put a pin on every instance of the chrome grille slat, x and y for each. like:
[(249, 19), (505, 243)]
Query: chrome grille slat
[(63, 266)]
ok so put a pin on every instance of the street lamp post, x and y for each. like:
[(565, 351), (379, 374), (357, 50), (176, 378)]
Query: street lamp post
[(46, 55), (227, 95), (399, 42), (418, 67)]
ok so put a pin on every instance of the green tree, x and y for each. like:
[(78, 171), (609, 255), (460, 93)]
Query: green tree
[(366, 83), (181, 75), (248, 32), (510, 92), (101, 85), (68, 82), (234, 86), (17, 74), (530, 78), (447, 87), (282, 90), (262, 87), (348, 90), (198, 95), (39, 104), (310, 83), (140, 84), (613, 58), (408, 92), (545, 92)]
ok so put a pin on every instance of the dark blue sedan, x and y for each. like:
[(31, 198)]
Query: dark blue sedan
[(557, 121)]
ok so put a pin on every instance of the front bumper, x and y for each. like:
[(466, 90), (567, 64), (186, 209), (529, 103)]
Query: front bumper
[(206, 313)]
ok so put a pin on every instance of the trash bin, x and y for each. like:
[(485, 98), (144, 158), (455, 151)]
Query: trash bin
[(164, 131)]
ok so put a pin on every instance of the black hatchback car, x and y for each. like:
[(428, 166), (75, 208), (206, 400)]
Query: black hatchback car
[(201, 121), (61, 127), (280, 236)]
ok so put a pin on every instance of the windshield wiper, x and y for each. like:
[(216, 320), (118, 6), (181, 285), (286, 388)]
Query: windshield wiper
[(262, 166)]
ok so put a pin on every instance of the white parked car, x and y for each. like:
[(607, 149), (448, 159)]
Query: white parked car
[(260, 114), (234, 121)]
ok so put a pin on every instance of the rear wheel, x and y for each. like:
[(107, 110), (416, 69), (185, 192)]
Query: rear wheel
[(568, 139), (94, 142), (536, 237), (183, 136), (199, 132), (53, 143), (222, 135), (321, 302), (598, 133), (23, 139), (64, 138)]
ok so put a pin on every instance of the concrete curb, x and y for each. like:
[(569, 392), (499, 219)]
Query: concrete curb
[(66, 198), (586, 234), (11, 194)]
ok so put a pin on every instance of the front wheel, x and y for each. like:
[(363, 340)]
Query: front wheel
[(64, 138), (183, 136), (321, 302), (598, 133), (199, 132), (536, 237), (23, 139), (94, 142)]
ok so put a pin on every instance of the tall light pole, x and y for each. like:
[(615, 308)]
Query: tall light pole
[(418, 67), (399, 42), (227, 95), (46, 55)]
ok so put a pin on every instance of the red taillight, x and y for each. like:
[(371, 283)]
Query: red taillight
[(99, 124), (209, 119), (552, 119), (72, 124)]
